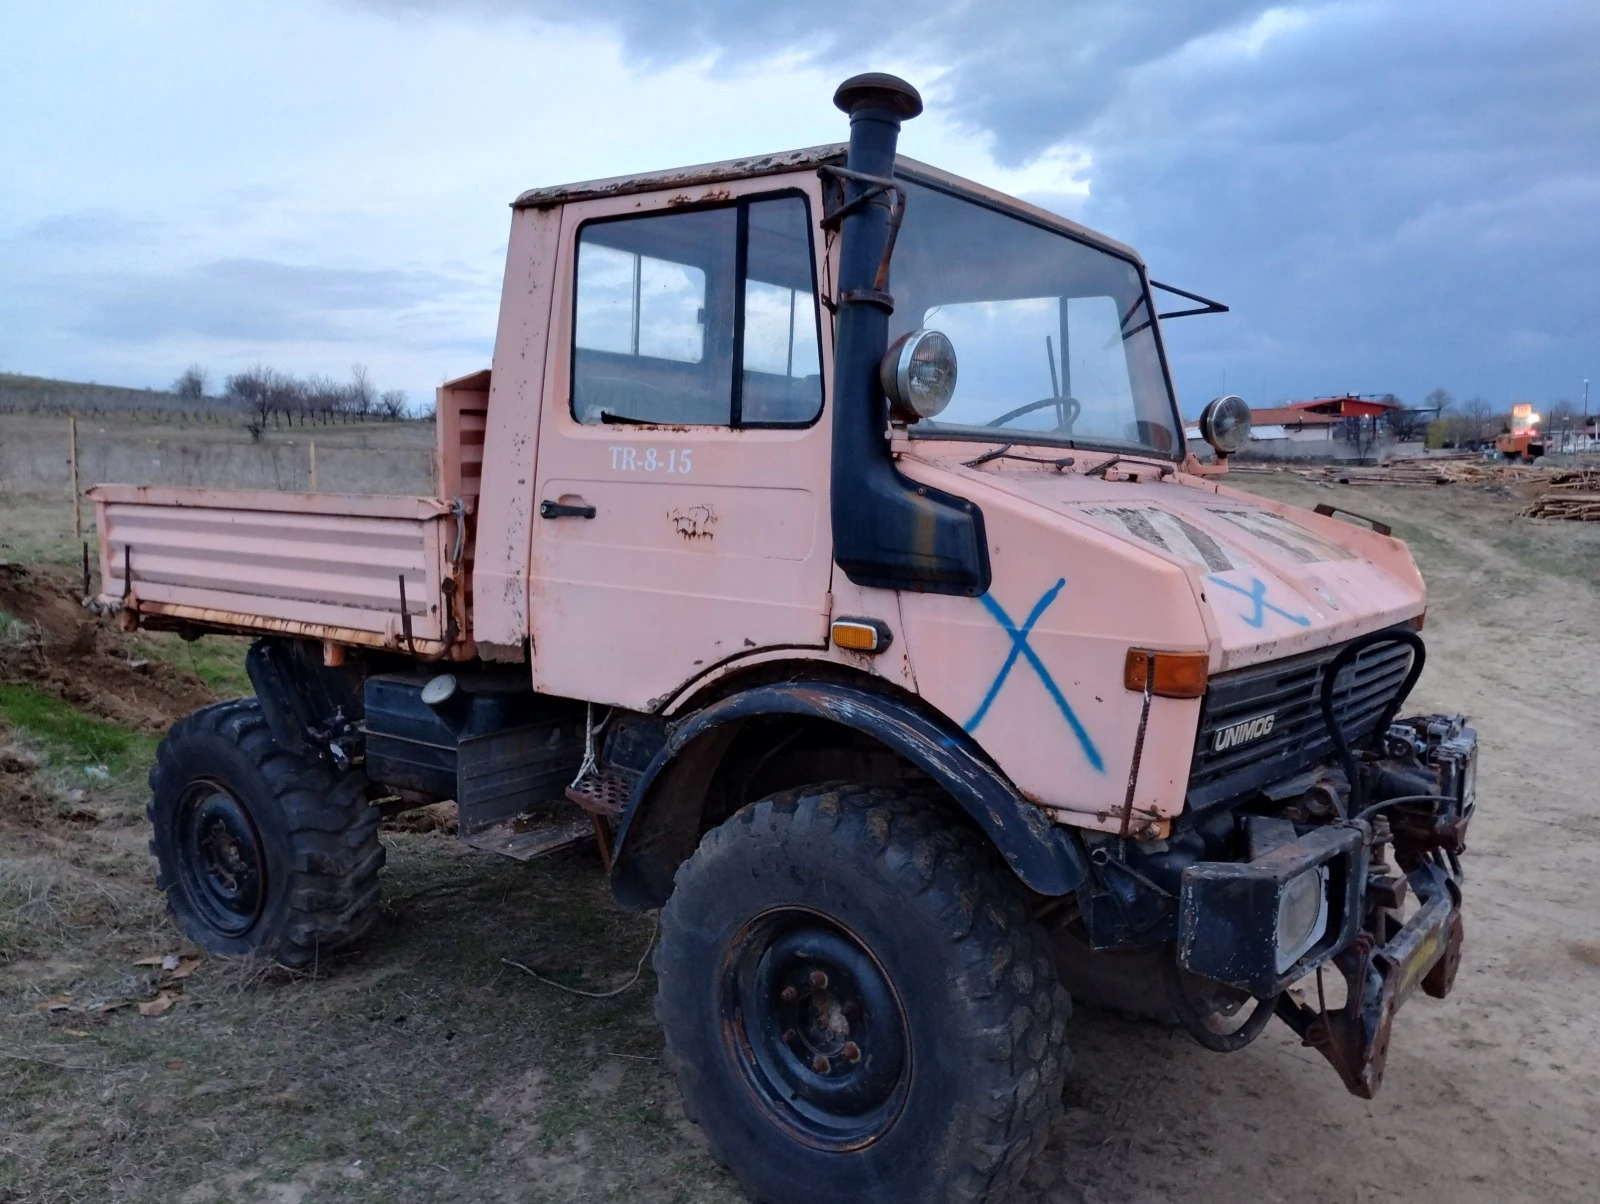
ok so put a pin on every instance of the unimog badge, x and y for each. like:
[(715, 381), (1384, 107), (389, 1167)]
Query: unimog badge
[(1242, 733)]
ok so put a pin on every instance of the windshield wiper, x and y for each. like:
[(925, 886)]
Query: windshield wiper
[(1006, 453), (1100, 470)]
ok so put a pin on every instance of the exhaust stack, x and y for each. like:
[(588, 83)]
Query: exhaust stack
[(887, 531)]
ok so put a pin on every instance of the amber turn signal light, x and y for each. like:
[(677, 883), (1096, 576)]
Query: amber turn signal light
[(1169, 674), (862, 635)]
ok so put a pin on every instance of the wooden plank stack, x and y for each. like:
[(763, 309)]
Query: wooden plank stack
[(1572, 506)]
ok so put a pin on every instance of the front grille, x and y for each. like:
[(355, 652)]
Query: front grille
[(1289, 690)]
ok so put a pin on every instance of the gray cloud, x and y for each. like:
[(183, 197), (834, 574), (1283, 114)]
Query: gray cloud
[(1391, 194), (249, 299), (92, 228)]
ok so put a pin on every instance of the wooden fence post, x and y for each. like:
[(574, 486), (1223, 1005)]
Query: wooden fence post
[(313, 466), (77, 500)]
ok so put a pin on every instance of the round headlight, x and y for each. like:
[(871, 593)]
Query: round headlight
[(1225, 424), (918, 374)]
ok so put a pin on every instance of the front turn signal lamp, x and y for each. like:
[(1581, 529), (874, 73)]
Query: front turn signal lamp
[(862, 635), (1167, 674)]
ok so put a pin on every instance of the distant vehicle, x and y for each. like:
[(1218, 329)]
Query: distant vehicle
[(1521, 440), (913, 705)]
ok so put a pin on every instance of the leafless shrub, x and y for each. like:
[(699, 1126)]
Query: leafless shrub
[(191, 385)]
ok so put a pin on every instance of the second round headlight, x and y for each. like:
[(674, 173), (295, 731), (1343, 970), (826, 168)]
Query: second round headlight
[(918, 374)]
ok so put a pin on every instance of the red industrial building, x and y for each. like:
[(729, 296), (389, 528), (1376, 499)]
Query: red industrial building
[(1321, 413)]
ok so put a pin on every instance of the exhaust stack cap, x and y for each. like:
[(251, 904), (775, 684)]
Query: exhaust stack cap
[(877, 90)]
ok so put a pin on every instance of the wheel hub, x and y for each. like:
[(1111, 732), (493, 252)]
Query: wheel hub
[(818, 1029), (223, 869)]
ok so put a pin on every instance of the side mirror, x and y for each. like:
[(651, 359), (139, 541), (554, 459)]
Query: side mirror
[(1225, 424)]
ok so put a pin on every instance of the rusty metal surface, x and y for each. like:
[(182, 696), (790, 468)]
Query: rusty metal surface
[(1426, 952), (330, 505), (161, 616), (682, 177)]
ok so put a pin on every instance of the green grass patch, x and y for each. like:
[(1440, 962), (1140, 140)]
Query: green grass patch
[(217, 660), (13, 630), (69, 739)]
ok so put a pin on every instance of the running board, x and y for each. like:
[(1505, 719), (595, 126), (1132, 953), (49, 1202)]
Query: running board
[(541, 829)]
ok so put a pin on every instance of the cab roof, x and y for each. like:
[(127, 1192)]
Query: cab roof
[(799, 160)]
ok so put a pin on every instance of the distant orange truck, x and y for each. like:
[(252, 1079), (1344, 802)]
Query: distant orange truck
[(1521, 440), (916, 699)]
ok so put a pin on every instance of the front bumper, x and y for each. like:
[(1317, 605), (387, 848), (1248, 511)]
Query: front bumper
[(1383, 946), (1425, 952)]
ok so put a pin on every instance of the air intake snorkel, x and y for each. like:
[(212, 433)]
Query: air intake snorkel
[(888, 531)]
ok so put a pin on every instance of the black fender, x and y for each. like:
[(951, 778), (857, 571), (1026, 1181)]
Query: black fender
[(650, 845)]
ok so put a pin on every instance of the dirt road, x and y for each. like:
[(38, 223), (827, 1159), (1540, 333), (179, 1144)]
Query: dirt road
[(425, 1068)]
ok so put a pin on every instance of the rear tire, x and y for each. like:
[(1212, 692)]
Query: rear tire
[(260, 851), (857, 1005)]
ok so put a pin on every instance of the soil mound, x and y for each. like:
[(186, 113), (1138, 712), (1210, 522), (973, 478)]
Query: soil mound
[(59, 647)]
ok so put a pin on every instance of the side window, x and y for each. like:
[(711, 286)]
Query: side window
[(667, 303)]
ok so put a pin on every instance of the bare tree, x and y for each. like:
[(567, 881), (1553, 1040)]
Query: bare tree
[(392, 404), (1361, 434), (1439, 401), (1561, 420), (263, 394), (362, 394), (191, 385), (1476, 415)]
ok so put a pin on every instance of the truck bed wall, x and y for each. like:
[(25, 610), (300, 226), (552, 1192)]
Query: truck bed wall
[(322, 566)]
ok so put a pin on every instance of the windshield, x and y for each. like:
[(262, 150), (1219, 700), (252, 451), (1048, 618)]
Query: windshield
[(1054, 340)]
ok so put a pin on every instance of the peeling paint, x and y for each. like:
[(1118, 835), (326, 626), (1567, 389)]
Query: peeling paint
[(693, 522)]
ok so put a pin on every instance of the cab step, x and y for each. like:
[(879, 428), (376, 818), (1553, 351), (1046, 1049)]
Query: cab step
[(602, 793)]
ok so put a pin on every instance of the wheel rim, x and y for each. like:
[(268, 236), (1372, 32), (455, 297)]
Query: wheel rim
[(817, 1029), (223, 867)]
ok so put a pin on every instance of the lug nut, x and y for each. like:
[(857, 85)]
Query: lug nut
[(819, 980), (820, 1064), (851, 1008), (790, 1036), (789, 995), (851, 1051)]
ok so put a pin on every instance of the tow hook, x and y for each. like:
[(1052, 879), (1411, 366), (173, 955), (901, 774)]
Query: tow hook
[(1426, 952)]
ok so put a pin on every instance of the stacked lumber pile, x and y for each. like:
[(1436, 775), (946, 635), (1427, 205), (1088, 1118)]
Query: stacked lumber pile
[(1573, 506), (1574, 495), (1462, 469), (1459, 468)]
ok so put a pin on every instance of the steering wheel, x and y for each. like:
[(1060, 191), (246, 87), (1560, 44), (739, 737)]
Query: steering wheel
[(1067, 411)]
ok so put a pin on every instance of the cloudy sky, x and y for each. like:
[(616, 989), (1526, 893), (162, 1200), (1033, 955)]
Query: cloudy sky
[(1391, 195)]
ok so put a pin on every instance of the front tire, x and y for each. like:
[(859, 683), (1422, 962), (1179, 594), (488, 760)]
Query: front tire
[(260, 851), (857, 1005)]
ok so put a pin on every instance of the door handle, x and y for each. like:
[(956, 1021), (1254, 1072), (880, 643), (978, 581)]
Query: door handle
[(562, 510)]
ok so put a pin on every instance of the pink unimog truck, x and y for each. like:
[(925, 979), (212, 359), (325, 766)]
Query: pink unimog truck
[(918, 702)]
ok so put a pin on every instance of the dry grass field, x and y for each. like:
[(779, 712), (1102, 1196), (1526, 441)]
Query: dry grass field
[(423, 1067)]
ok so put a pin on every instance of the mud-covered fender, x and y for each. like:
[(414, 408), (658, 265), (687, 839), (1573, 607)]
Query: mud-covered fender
[(659, 827)]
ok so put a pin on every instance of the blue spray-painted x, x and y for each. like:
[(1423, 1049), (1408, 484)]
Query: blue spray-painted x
[(1257, 593), (1019, 647)]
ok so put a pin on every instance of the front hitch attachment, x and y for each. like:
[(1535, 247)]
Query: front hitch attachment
[(1425, 952)]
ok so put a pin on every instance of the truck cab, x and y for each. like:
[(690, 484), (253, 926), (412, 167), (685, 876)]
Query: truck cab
[(822, 541)]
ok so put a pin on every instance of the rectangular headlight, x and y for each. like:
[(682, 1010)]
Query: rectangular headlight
[(1302, 915)]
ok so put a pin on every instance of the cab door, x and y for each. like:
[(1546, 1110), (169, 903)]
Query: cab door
[(681, 506)]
